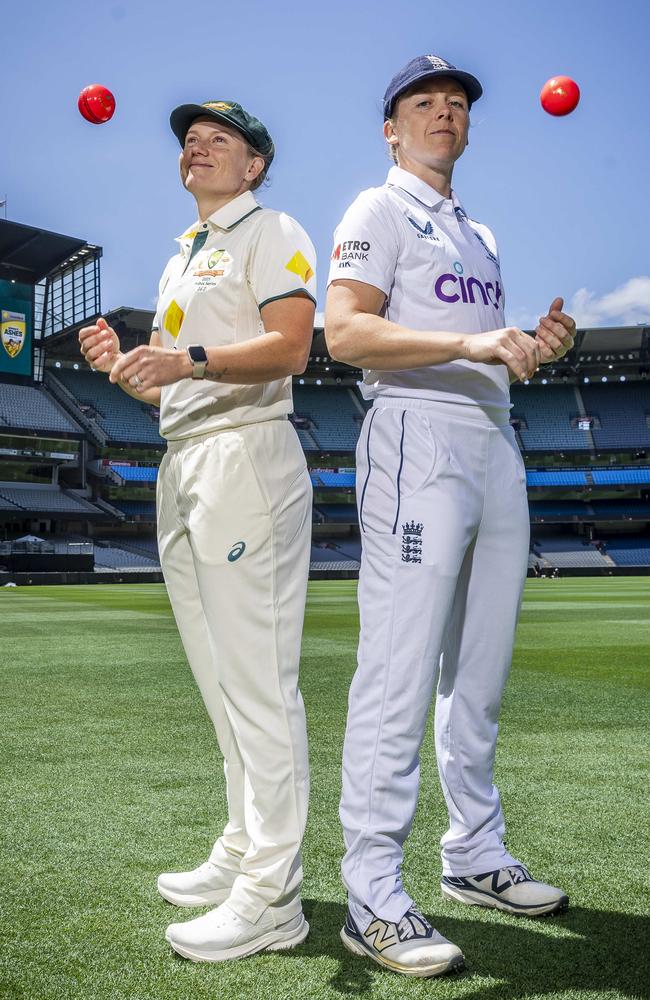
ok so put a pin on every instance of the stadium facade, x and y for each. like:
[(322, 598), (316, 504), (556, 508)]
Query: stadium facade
[(79, 458)]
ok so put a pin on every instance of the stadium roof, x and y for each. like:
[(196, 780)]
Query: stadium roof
[(28, 254)]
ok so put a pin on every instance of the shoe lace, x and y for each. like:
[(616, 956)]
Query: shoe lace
[(413, 925)]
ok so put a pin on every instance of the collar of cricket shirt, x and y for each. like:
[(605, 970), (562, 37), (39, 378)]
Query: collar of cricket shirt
[(225, 218), (404, 179)]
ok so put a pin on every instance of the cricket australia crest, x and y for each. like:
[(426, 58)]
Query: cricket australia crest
[(412, 542)]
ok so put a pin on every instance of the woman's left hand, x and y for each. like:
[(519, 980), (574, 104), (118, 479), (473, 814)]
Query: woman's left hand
[(555, 333), (148, 367)]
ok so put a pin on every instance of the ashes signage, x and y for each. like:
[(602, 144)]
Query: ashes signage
[(16, 334)]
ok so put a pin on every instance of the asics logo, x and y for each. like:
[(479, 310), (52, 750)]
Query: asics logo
[(236, 551)]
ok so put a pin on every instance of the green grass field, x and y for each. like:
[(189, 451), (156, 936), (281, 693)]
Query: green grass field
[(110, 774)]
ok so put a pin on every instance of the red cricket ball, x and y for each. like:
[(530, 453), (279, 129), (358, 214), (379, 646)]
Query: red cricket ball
[(560, 95), (96, 104)]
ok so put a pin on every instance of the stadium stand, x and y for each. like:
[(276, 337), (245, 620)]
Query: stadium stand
[(547, 414), (136, 473), (623, 411), (46, 500), (621, 477), (343, 513), (344, 479), (122, 418), (576, 510), (561, 477), (566, 551), (26, 407), (136, 508), (111, 557), (628, 551), (334, 414)]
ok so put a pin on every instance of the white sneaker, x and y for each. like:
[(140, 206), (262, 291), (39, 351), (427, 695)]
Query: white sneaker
[(206, 885), (410, 946), (222, 934), (512, 889)]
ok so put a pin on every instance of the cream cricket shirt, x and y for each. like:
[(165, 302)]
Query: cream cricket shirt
[(251, 256), (439, 270)]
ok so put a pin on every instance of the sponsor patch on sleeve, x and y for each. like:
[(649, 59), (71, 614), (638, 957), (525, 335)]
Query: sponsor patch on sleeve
[(300, 265), (174, 319)]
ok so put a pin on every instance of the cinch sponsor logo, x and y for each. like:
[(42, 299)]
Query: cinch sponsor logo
[(351, 250), (455, 287)]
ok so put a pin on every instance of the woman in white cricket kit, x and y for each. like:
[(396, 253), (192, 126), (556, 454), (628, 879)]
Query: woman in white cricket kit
[(234, 322), (416, 299)]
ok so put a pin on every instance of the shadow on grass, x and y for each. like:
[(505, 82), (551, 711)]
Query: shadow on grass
[(596, 951)]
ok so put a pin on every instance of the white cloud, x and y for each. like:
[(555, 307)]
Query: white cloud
[(627, 305)]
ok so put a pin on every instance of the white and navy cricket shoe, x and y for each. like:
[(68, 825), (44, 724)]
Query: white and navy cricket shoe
[(512, 889), (411, 946)]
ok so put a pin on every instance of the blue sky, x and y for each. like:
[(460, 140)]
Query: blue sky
[(566, 198)]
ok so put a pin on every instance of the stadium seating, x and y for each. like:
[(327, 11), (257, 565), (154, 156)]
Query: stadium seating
[(554, 510), (49, 500), (335, 417), (559, 509), (136, 508), (342, 480), (111, 557), (136, 473), (566, 551), (628, 551), (622, 411), (344, 513), (614, 477), (561, 477), (28, 407), (548, 413), (122, 418)]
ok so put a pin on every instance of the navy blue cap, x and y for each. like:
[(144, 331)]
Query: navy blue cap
[(423, 67)]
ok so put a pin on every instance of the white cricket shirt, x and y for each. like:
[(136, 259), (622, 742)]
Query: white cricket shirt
[(251, 256), (439, 271)]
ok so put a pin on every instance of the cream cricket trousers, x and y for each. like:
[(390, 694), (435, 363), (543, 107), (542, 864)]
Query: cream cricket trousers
[(444, 524), (234, 530)]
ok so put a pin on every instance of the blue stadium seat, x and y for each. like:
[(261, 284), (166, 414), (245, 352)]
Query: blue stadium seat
[(613, 477), (561, 477), (30, 407), (623, 411), (50, 499), (629, 551), (122, 418), (342, 480), (136, 473), (336, 418), (547, 412)]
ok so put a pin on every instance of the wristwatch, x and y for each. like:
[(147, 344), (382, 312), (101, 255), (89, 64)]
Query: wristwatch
[(198, 359)]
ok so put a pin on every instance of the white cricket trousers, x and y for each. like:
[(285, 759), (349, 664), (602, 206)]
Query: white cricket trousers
[(234, 529), (441, 490)]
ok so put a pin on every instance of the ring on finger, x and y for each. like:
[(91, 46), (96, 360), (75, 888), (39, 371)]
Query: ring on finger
[(136, 381)]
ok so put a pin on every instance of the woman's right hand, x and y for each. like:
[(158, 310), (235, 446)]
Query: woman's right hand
[(510, 346), (100, 345)]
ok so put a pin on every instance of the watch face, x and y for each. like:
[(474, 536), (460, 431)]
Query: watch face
[(197, 354)]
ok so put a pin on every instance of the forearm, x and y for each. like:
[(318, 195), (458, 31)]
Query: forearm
[(369, 341), (255, 361)]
